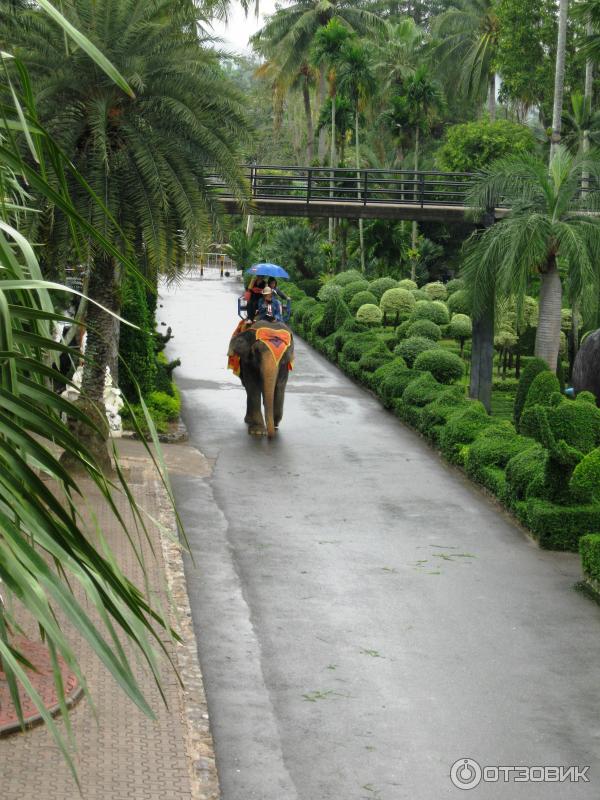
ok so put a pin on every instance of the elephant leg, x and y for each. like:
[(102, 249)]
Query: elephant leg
[(279, 398), (254, 418)]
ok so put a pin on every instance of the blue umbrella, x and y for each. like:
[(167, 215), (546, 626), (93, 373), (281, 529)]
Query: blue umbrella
[(268, 270)]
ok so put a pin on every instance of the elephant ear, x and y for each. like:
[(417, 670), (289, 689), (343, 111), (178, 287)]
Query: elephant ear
[(241, 344)]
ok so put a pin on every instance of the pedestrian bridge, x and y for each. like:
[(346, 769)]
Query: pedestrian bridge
[(355, 194)]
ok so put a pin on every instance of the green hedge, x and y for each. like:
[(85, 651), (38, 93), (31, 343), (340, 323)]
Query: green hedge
[(523, 470), (461, 429), (494, 447), (559, 527), (444, 366), (533, 368), (589, 550)]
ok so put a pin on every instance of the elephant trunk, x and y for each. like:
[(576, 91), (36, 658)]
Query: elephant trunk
[(269, 381)]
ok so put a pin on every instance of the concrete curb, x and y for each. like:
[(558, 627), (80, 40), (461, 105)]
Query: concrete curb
[(199, 743)]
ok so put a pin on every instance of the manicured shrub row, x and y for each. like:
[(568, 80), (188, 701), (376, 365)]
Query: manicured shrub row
[(545, 469)]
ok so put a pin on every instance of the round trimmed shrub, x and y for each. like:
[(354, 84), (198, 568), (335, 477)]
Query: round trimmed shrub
[(369, 314), (406, 283), (402, 329), (357, 345), (455, 285), (354, 288), (422, 390), (349, 276), (533, 368), (542, 387), (419, 294), (431, 310), (361, 299), (412, 347), (460, 327), (335, 314), (375, 358), (578, 424), (397, 302), (586, 397), (461, 429), (444, 366), (392, 386), (329, 290), (436, 290), (585, 480), (426, 328), (380, 285), (459, 302)]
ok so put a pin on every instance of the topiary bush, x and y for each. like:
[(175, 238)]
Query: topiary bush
[(419, 294), (455, 285), (357, 345), (380, 285), (424, 327), (375, 358), (586, 397), (369, 314), (402, 329), (459, 302), (387, 370), (420, 392), (310, 286), (493, 448), (436, 413), (353, 288), (444, 366), (397, 303), (542, 387), (560, 527), (335, 313), (301, 308), (436, 290), (523, 469), (431, 310), (461, 429), (410, 348), (406, 283), (391, 387), (461, 329), (329, 290), (589, 550), (361, 299), (533, 367), (347, 277), (136, 346), (585, 480)]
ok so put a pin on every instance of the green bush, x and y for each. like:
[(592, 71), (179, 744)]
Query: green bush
[(578, 424), (310, 286), (494, 447), (436, 290), (505, 385), (164, 404), (589, 550), (533, 368), (412, 347), (426, 328), (470, 146), (329, 290), (361, 299), (559, 527), (136, 346), (301, 308), (460, 327), (347, 330), (422, 390), (523, 469), (431, 310), (585, 480), (461, 429), (586, 397), (436, 413), (419, 294), (459, 302), (455, 285), (312, 323), (391, 387), (380, 285), (354, 288), (375, 358), (406, 283), (347, 277), (444, 366), (357, 345), (164, 374), (397, 303), (402, 329), (542, 387), (387, 370), (369, 314), (335, 313)]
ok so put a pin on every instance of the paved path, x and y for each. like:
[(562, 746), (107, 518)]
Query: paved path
[(365, 616)]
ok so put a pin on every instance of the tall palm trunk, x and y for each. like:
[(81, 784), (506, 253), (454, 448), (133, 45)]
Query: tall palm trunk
[(547, 340), (361, 232), (588, 96), (332, 160), (492, 98), (310, 135), (415, 228), (322, 149), (559, 76)]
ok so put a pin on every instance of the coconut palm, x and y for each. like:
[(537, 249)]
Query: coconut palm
[(397, 53), (467, 41), (149, 156), (548, 230), (581, 124)]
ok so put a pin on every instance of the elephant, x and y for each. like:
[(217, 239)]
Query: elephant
[(262, 355), (586, 369)]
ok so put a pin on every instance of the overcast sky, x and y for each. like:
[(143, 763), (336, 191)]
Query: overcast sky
[(239, 28)]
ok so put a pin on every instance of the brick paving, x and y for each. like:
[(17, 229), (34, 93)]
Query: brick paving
[(121, 754)]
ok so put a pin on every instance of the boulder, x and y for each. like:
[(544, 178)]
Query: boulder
[(586, 369)]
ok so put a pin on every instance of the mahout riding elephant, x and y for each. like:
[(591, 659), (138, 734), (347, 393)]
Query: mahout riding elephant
[(262, 355), (586, 369)]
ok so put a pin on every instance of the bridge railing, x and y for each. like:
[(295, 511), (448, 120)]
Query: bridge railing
[(322, 184)]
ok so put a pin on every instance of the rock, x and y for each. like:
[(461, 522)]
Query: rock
[(586, 369)]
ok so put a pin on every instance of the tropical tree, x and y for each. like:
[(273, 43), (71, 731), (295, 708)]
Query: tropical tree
[(465, 49), (243, 248), (397, 53), (49, 563), (559, 78), (581, 124), (548, 230), (357, 80), (149, 154)]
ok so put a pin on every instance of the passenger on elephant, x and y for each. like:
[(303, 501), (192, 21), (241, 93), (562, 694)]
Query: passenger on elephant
[(276, 290), (269, 307), (255, 289)]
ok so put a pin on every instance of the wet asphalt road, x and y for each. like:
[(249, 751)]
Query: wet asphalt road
[(365, 617)]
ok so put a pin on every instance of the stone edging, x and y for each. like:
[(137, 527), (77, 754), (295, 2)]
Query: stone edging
[(199, 743)]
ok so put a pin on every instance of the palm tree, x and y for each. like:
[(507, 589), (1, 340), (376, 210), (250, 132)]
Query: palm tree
[(357, 80), (559, 77), (467, 41), (397, 53), (581, 123), (288, 35), (547, 226), (149, 156)]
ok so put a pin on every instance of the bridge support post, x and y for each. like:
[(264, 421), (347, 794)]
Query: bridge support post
[(482, 347)]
